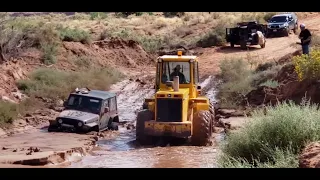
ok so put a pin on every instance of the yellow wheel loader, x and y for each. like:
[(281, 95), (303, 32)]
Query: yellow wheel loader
[(177, 108)]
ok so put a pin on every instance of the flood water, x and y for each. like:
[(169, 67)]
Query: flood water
[(122, 152)]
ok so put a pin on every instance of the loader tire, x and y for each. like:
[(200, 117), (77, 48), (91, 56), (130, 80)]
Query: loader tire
[(142, 117), (202, 128)]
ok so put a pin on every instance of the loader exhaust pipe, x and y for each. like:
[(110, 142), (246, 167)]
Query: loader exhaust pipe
[(176, 83)]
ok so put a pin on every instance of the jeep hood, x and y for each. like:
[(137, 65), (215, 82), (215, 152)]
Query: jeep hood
[(78, 115)]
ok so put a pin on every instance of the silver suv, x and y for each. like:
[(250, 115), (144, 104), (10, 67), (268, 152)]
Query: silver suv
[(282, 24)]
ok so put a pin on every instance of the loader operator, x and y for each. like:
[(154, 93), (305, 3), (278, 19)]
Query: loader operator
[(176, 72)]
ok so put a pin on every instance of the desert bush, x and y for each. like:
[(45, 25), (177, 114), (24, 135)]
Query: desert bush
[(308, 67), (83, 61), (80, 16), (239, 78), (216, 37), (49, 53), (270, 83), (104, 34), (76, 35), (172, 14), (56, 84), (265, 72), (280, 159), (236, 77), (269, 15), (126, 14), (19, 34), (315, 40), (287, 126), (98, 15), (8, 112), (150, 44)]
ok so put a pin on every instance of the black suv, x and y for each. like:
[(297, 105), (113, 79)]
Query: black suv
[(282, 24)]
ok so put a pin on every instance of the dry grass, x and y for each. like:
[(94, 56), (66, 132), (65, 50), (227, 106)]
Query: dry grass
[(11, 111), (157, 30), (56, 84)]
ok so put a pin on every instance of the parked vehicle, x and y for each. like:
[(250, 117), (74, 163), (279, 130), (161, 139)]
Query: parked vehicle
[(246, 33), (282, 24)]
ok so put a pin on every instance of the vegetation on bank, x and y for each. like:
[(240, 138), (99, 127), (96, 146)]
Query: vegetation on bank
[(240, 77), (272, 138), (10, 111), (56, 84), (308, 67), (151, 30)]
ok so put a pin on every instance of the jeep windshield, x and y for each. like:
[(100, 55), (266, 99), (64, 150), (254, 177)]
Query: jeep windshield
[(278, 19), (84, 103)]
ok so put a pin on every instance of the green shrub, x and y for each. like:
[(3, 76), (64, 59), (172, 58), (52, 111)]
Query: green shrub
[(172, 14), (270, 83), (83, 62), (75, 35), (237, 81), (56, 84), (8, 112), (286, 126), (216, 37), (268, 16), (280, 159), (315, 40), (261, 76), (49, 53), (98, 15)]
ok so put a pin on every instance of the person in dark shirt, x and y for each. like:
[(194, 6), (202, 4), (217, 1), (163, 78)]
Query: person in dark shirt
[(305, 37), (176, 72)]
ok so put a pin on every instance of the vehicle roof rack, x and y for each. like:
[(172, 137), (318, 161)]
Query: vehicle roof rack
[(82, 90)]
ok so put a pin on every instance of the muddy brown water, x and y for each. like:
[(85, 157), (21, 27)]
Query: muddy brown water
[(123, 152)]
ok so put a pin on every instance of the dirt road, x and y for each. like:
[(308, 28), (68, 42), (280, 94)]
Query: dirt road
[(276, 48), (120, 151)]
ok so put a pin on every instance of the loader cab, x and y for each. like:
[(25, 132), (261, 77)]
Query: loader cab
[(186, 67)]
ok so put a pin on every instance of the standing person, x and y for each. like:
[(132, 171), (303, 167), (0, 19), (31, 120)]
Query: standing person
[(305, 37)]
